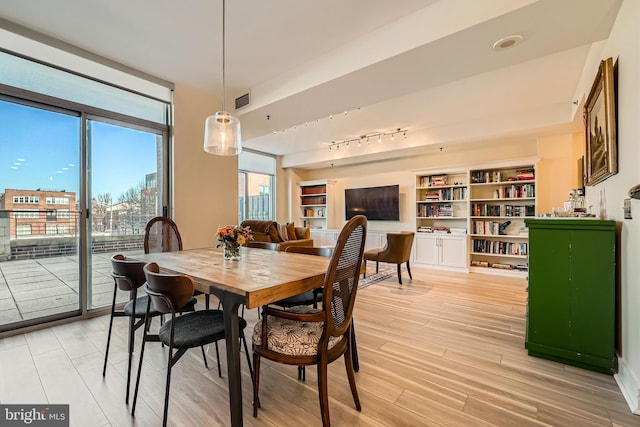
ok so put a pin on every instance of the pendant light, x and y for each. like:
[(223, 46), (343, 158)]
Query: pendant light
[(222, 131)]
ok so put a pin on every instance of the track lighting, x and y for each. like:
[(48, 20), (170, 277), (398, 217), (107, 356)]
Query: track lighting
[(367, 137)]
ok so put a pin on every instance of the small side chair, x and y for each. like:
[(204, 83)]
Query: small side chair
[(396, 251)]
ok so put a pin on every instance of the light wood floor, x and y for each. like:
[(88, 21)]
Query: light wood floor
[(445, 349)]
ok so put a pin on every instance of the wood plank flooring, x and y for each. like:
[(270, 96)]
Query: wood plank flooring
[(443, 349)]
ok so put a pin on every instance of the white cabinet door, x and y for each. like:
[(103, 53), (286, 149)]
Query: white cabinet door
[(374, 239), (453, 251), (426, 249), (318, 237)]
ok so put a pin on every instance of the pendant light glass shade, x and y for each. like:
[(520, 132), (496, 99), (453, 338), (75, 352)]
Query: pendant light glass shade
[(222, 135), (222, 131)]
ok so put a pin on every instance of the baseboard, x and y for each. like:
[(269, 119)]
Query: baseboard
[(629, 386)]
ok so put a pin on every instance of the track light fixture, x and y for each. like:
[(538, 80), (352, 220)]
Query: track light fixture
[(367, 137)]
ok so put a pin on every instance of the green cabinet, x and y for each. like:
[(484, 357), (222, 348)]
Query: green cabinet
[(571, 305)]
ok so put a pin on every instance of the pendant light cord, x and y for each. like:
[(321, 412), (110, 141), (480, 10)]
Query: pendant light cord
[(223, 53)]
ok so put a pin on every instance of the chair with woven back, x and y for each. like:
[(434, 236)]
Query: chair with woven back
[(396, 251), (306, 336), (161, 235), (168, 292)]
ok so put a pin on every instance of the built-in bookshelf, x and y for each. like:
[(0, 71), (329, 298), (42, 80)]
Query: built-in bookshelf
[(316, 204), (441, 202), (486, 205), (499, 201)]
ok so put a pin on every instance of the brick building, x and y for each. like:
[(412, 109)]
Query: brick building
[(40, 212)]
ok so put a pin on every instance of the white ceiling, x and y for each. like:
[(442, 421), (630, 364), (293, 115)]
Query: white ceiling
[(422, 65)]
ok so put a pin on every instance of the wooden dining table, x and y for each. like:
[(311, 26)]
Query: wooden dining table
[(260, 277)]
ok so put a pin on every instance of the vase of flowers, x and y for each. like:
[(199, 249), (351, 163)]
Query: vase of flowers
[(231, 238)]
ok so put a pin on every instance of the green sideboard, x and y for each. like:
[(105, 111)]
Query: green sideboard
[(571, 305)]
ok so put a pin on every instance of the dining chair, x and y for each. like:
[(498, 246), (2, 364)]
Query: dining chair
[(263, 245), (396, 251), (128, 276), (161, 235), (309, 336), (168, 292)]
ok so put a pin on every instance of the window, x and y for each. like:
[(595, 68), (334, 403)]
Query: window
[(64, 213), (52, 215), (23, 229), (57, 201), (32, 200), (256, 182), (25, 213)]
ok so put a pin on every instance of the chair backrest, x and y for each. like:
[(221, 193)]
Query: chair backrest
[(168, 292), (127, 273), (263, 245), (399, 246), (310, 250), (341, 279), (161, 235)]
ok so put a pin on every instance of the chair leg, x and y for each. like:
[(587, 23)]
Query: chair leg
[(409, 271), (302, 373), (106, 351), (364, 274), (323, 393), (256, 383), (399, 275), (377, 265), (348, 361), (144, 341), (131, 341), (168, 386), (354, 348), (218, 360), (206, 301), (204, 357)]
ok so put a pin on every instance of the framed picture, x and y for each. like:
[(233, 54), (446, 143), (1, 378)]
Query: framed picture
[(600, 126)]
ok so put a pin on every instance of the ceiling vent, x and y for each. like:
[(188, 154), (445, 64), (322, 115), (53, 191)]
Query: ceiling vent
[(242, 101)]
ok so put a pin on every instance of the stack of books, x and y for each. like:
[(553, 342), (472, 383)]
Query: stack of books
[(525, 175)]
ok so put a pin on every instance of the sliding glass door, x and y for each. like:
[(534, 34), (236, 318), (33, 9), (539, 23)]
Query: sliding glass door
[(40, 205), (125, 190), (75, 189)]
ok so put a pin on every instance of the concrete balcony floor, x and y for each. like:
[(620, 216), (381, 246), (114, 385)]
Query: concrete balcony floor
[(44, 286)]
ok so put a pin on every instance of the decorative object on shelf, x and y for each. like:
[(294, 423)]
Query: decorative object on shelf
[(222, 131), (503, 227), (600, 123), (231, 238)]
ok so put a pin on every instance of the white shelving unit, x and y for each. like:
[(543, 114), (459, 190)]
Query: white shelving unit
[(472, 207), (500, 199), (442, 204), (316, 204)]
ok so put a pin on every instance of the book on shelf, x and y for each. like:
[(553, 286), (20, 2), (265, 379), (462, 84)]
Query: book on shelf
[(476, 263), (502, 266), (525, 175), (441, 229), (457, 230)]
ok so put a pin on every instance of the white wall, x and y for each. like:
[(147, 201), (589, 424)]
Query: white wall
[(205, 187), (624, 45)]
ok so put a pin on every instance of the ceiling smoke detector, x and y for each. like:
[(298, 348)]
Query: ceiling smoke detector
[(508, 42)]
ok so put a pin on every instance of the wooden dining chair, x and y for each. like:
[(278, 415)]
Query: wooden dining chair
[(317, 337), (168, 292), (161, 235)]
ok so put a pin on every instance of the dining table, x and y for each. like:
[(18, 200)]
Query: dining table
[(260, 277)]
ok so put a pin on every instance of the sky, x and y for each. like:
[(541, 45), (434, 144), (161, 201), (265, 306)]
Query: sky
[(40, 149)]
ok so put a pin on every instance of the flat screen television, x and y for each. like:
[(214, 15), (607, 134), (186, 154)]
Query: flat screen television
[(376, 203)]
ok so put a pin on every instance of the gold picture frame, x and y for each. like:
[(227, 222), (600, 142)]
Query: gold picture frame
[(600, 126)]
